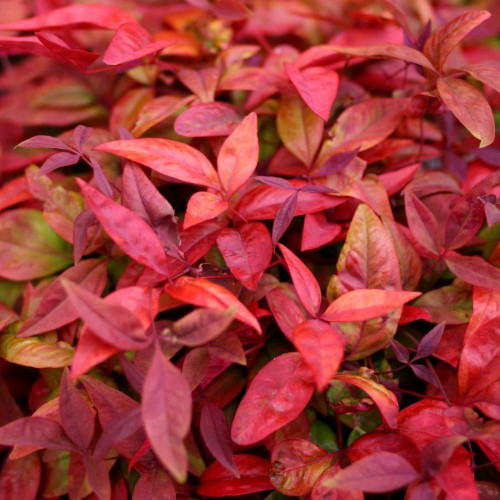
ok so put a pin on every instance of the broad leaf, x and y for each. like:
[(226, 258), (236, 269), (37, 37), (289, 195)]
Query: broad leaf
[(299, 128), (470, 107), (279, 392), (317, 86), (218, 482), (382, 397), (473, 270), (29, 247), (297, 464)]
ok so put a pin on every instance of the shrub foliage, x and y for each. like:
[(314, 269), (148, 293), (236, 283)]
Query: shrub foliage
[(249, 248)]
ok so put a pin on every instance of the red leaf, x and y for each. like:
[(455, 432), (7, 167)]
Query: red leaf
[(464, 221), (470, 107), (203, 293), (173, 159), (364, 125), (166, 412), (300, 130), (474, 270), (386, 50), (297, 464), (376, 473), (429, 342), (247, 252), (202, 82), (286, 312), (284, 216), (318, 231), (439, 46), (35, 431), (485, 72), (238, 155), (76, 416), (127, 230), (215, 432), (21, 478), (98, 476), (55, 309), (361, 305), (154, 484), (140, 196), (73, 16), (130, 42), (204, 206), (207, 119), (305, 283), (437, 454), (423, 225), (217, 481), (279, 392), (112, 323), (384, 399), (321, 347), (201, 326), (317, 86)]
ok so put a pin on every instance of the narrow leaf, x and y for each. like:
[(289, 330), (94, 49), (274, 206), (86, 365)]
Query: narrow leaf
[(166, 412), (305, 283), (215, 433), (321, 347), (361, 305)]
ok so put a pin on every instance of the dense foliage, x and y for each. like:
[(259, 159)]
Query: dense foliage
[(249, 248)]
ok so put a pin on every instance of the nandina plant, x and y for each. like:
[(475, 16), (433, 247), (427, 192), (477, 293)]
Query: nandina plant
[(249, 248)]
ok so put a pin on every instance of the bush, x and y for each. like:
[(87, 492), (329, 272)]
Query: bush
[(249, 248)]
